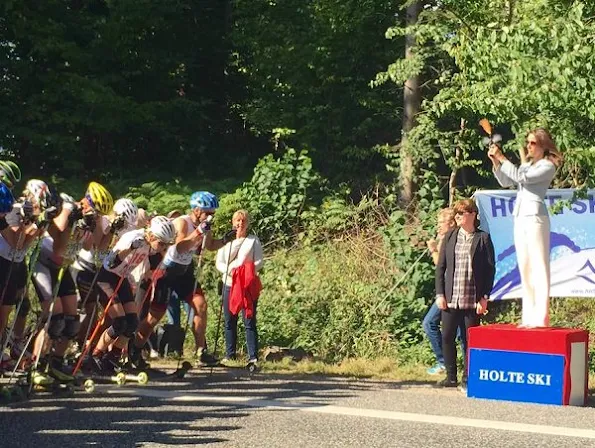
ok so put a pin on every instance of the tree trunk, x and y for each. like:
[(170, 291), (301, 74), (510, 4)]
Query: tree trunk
[(452, 181), (411, 107)]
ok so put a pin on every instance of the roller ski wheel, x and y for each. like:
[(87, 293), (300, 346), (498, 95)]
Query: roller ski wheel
[(18, 393), (119, 378), (12, 394), (252, 367), (89, 386), (141, 378)]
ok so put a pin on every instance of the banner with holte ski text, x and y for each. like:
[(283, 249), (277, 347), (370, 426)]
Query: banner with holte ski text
[(572, 239)]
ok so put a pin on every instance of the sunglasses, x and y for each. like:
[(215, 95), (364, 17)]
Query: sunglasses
[(531, 142)]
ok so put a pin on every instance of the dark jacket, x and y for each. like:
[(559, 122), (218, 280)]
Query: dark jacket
[(482, 261)]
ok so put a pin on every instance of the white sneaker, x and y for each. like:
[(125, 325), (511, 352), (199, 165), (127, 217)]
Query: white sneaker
[(154, 354)]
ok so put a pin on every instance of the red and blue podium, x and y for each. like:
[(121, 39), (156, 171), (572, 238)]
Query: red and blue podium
[(536, 365)]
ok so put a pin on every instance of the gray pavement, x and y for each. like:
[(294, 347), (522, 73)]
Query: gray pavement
[(233, 409)]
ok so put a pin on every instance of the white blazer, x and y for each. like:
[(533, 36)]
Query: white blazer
[(532, 179)]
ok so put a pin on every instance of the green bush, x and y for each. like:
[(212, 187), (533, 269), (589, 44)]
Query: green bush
[(278, 193)]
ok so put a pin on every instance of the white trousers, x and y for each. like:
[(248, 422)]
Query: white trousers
[(532, 244)]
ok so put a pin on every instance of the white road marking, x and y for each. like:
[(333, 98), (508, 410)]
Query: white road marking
[(368, 413), (81, 431)]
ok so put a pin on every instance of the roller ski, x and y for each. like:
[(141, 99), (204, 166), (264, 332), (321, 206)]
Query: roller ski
[(137, 365), (252, 365), (13, 389), (55, 377), (205, 359), (12, 393), (108, 370)]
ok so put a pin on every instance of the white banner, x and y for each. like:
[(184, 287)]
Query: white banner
[(572, 252)]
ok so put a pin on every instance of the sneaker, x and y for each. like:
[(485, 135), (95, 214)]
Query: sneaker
[(41, 379), (139, 364), (16, 348), (154, 354), (437, 369), (206, 359), (109, 363), (6, 363), (447, 383), (60, 374)]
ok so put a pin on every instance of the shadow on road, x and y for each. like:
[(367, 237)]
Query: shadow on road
[(107, 418)]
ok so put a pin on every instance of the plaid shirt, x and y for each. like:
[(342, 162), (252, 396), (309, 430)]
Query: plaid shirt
[(463, 290)]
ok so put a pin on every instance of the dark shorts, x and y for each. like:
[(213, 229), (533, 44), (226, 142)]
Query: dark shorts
[(107, 285), (154, 260), (86, 283), (45, 277), (12, 285), (179, 279)]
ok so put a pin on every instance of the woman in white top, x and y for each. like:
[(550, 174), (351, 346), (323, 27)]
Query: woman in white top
[(230, 257), (531, 219)]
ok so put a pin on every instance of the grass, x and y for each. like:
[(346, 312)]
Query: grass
[(386, 369), (382, 368)]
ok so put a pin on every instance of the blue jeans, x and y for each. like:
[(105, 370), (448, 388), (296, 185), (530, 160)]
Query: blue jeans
[(173, 310), (431, 326), (231, 329)]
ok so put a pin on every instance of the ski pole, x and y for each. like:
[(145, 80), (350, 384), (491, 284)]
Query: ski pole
[(99, 325), (32, 261), (12, 261), (221, 306), (97, 269), (405, 275), (46, 325), (188, 318)]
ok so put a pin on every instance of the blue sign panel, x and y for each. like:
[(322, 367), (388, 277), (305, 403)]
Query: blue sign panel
[(516, 376)]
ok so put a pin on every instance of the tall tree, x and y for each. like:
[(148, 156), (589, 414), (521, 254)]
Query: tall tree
[(308, 65), (520, 64), (411, 107)]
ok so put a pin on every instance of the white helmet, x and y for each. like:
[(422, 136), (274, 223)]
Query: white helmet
[(39, 190), (163, 229), (128, 209)]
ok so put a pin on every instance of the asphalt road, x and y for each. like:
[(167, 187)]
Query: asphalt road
[(233, 409)]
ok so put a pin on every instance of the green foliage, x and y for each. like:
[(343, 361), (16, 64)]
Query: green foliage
[(118, 88), (162, 198), (278, 193), (326, 308), (520, 64), (307, 65)]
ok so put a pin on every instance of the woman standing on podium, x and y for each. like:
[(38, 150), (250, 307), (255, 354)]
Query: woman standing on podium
[(533, 177)]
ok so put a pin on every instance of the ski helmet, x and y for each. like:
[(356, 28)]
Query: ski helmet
[(39, 191), (6, 199), (125, 207), (204, 200), (99, 198), (163, 229), (10, 173)]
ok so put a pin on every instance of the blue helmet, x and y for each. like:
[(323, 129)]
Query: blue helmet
[(6, 199), (204, 200)]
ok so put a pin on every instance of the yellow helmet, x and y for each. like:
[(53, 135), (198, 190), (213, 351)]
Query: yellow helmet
[(99, 198)]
